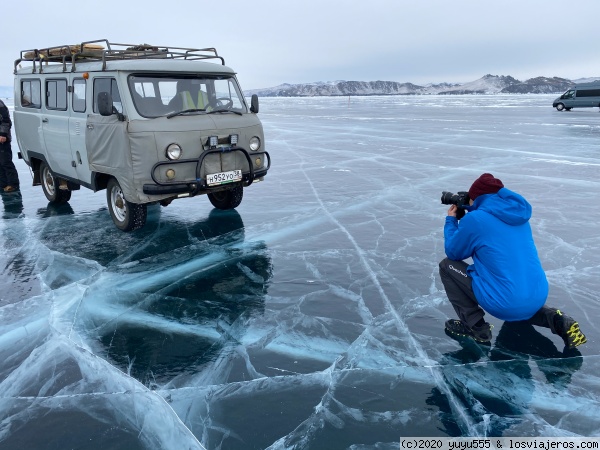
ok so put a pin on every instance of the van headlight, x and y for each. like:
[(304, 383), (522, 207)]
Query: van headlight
[(254, 143), (174, 152)]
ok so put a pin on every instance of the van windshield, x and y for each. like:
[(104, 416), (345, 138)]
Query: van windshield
[(158, 96)]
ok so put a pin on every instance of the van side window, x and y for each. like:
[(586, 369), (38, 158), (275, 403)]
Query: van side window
[(588, 92), (56, 94), (107, 85), (31, 96), (79, 95)]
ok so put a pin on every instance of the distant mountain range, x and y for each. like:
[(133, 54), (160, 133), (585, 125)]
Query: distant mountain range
[(488, 84)]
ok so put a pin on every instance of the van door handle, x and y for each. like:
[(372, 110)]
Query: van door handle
[(45, 120), (90, 127)]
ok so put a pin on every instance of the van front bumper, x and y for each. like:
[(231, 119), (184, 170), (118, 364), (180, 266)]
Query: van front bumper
[(200, 186)]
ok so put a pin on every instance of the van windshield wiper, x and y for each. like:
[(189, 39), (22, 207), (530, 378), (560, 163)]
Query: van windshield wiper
[(224, 111), (178, 113)]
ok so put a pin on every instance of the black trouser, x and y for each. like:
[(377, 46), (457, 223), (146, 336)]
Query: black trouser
[(459, 289), (8, 171)]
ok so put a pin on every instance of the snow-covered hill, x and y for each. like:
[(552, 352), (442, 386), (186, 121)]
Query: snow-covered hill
[(334, 88), (488, 84)]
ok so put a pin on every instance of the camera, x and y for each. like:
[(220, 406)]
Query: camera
[(460, 199)]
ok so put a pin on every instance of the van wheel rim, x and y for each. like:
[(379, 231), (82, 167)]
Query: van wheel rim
[(118, 204), (48, 181)]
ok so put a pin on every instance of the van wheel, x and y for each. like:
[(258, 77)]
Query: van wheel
[(229, 199), (127, 216), (50, 186), (560, 107)]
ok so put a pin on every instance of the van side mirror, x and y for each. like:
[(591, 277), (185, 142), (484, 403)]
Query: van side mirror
[(105, 105), (254, 104)]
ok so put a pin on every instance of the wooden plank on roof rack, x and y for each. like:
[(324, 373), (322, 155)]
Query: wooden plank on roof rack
[(94, 50)]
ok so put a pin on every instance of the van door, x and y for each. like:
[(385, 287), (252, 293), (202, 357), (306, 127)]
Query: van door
[(55, 126), (77, 127), (28, 117), (107, 139), (579, 100)]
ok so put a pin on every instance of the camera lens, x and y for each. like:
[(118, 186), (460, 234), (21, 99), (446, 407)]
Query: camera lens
[(448, 198)]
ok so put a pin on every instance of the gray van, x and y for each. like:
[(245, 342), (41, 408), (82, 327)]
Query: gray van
[(150, 124), (581, 96)]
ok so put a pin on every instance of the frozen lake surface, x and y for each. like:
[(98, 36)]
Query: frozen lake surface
[(312, 317)]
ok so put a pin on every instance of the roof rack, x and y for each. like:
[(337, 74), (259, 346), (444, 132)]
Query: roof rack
[(103, 50)]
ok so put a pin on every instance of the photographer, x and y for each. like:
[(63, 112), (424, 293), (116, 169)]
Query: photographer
[(506, 278)]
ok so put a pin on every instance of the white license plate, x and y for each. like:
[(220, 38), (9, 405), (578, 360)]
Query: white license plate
[(223, 177)]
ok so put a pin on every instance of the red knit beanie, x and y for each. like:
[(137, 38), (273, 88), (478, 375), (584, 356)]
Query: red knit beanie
[(485, 184)]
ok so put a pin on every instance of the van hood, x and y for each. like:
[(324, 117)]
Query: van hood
[(193, 122)]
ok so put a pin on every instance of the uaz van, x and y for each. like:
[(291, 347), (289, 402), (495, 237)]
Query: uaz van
[(582, 95), (149, 124)]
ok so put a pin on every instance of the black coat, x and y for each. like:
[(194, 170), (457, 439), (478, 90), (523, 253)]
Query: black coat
[(5, 122)]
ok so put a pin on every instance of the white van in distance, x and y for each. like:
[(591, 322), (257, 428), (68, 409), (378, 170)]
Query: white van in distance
[(581, 96), (149, 124)]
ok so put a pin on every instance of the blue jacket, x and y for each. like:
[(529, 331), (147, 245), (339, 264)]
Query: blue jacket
[(508, 279)]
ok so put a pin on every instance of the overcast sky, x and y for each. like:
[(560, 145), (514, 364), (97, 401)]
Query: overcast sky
[(272, 42)]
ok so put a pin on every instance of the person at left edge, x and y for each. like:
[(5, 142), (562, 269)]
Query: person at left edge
[(9, 178)]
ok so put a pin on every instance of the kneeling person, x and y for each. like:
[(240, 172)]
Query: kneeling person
[(506, 278)]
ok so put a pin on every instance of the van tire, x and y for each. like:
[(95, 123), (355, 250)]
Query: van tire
[(127, 216), (560, 107), (229, 199), (50, 186)]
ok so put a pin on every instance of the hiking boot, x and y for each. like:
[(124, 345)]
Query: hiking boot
[(482, 334), (568, 329)]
